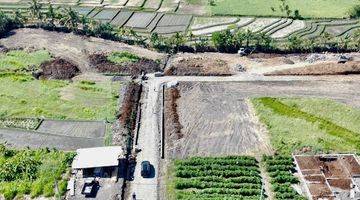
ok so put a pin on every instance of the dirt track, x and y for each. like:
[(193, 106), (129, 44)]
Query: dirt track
[(69, 46)]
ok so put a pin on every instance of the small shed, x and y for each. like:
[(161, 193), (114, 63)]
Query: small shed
[(98, 161)]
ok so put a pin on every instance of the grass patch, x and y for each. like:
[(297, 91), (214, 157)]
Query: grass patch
[(122, 57), (291, 127), (307, 8), (32, 172), (19, 60), (57, 99)]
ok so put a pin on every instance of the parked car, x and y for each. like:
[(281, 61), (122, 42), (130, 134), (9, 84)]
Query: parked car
[(145, 169), (90, 187)]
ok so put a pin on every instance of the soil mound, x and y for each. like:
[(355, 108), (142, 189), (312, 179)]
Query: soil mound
[(328, 68), (57, 69), (103, 65), (198, 66)]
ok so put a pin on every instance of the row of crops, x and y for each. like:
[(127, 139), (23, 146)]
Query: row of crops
[(232, 177), (280, 170)]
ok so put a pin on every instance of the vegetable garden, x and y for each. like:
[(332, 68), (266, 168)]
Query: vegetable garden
[(231, 177), (280, 170), (33, 173)]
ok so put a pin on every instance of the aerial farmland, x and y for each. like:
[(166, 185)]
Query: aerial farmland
[(180, 99)]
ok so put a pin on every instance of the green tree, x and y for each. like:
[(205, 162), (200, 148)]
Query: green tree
[(51, 15), (223, 40), (35, 10), (285, 8), (70, 19), (355, 12), (294, 43)]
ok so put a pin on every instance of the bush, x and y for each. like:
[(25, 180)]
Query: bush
[(62, 187), (49, 189), (37, 188), (355, 12), (123, 57)]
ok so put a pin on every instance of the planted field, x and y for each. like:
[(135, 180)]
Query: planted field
[(172, 23), (232, 177), (280, 170), (33, 173), (310, 124), (140, 19), (307, 9)]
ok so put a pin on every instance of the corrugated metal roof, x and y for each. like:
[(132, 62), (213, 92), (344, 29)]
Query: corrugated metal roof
[(97, 157)]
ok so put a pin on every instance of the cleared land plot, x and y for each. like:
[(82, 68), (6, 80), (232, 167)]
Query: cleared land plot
[(83, 10), (85, 129), (122, 18), (317, 125), (327, 175), (215, 123), (312, 9), (236, 177), (21, 139), (114, 2), (140, 19)]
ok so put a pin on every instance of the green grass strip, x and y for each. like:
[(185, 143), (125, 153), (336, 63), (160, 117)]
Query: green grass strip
[(280, 108)]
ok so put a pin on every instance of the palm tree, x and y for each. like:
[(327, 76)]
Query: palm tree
[(35, 10)]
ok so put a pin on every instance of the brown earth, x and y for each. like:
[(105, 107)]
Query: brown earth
[(325, 68), (58, 69), (198, 66), (340, 183), (172, 124), (100, 62)]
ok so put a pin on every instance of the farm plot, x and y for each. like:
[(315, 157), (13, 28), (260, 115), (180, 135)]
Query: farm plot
[(33, 173), (317, 125), (114, 3), (169, 6), (205, 22), (329, 176), (106, 15), (121, 19), (172, 23), (235, 177), (152, 4), (287, 30), (36, 140), (307, 9), (140, 20), (261, 23), (135, 3), (211, 125), (280, 170), (85, 129)]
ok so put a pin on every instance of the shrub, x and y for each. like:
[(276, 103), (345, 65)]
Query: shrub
[(355, 12), (122, 57), (62, 187), (49, 189)]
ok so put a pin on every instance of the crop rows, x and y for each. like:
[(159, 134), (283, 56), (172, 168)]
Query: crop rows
[(280, 170), (232, 177), (28, 124)]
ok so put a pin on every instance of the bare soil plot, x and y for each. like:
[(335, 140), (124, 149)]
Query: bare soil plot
[(213, 125), (85, 129), (69, 46), (324, 68), (114, 3), (21, 139), (169, 5), (335, 175), (198, 66), (58, 69)]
